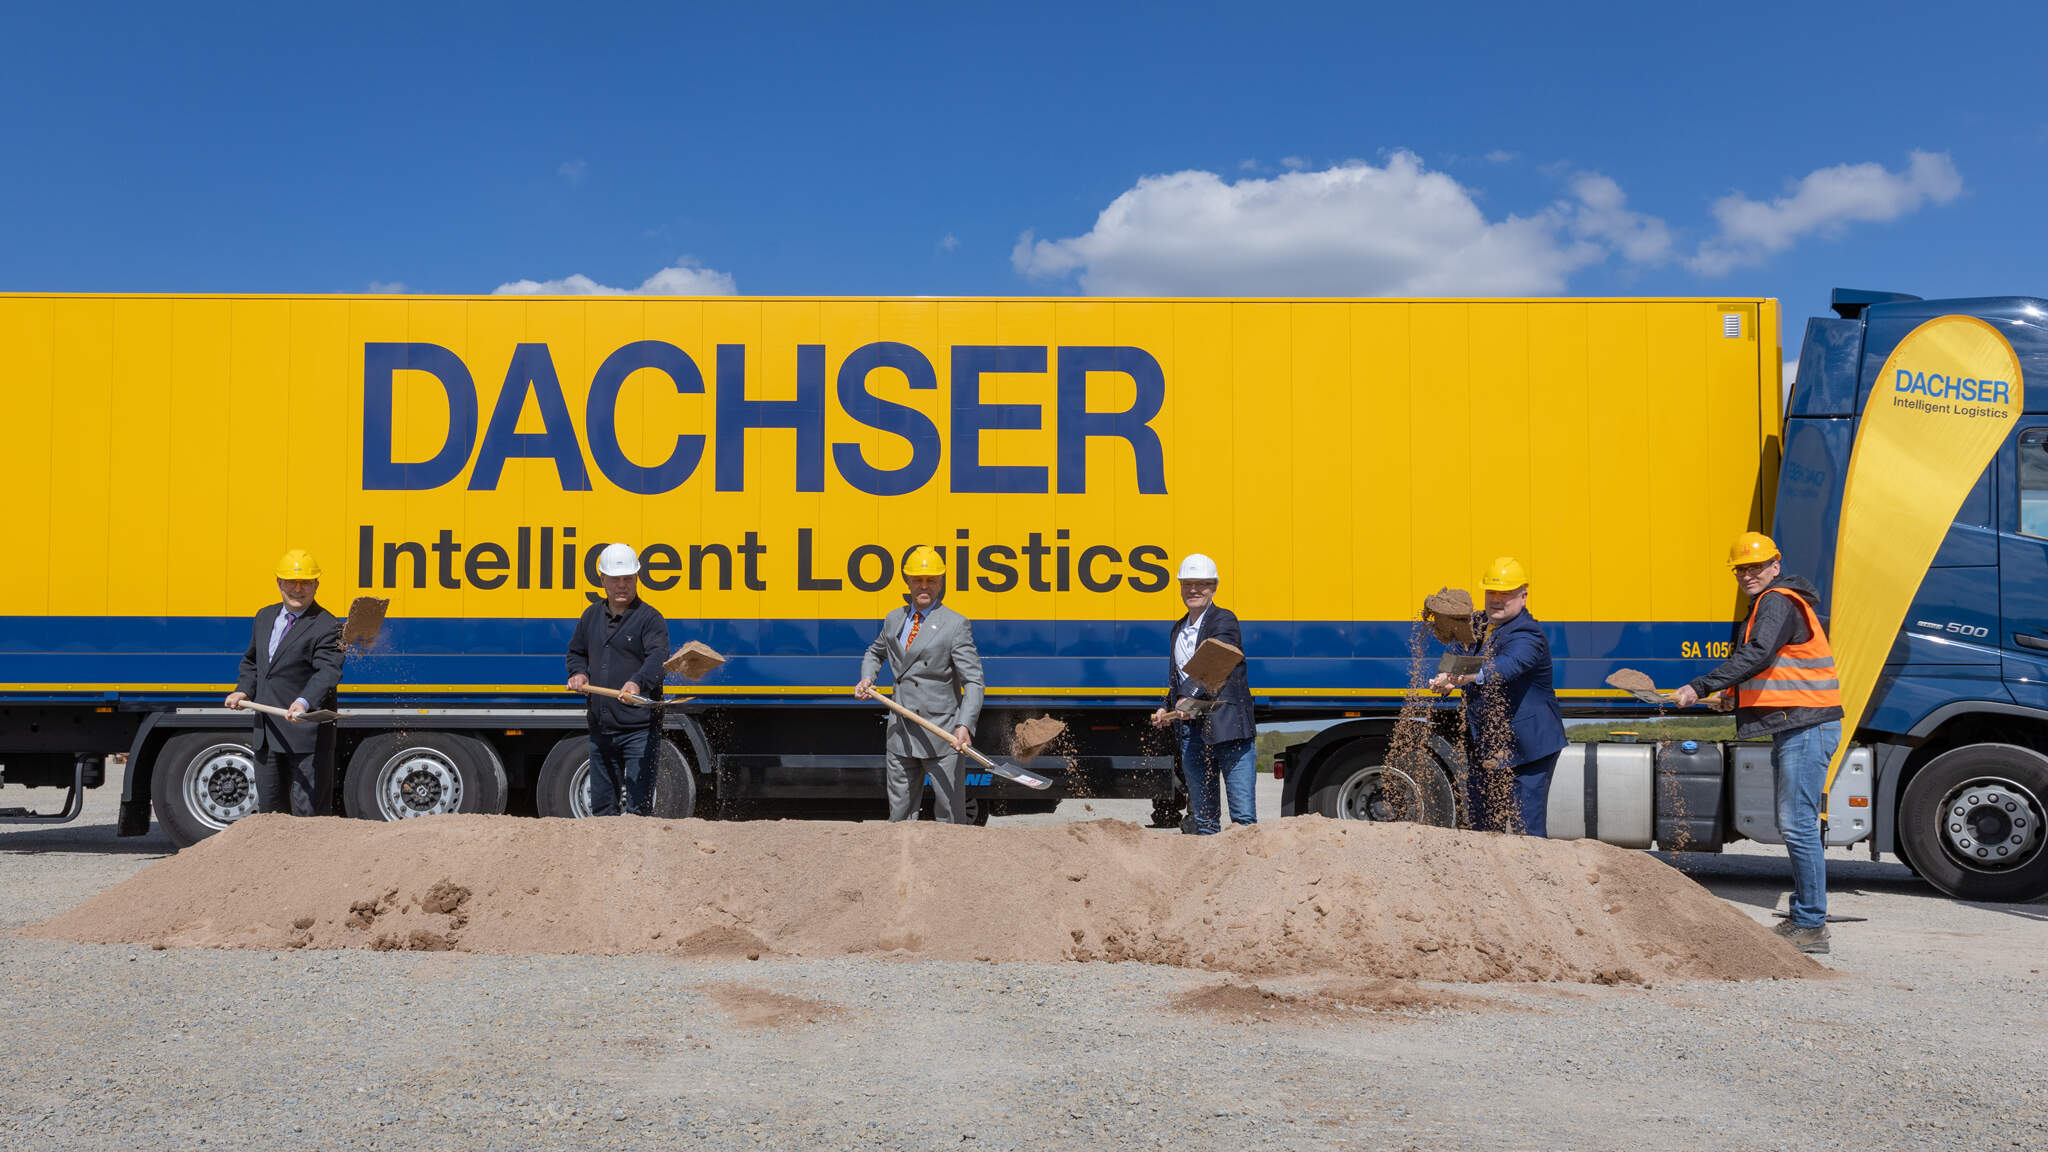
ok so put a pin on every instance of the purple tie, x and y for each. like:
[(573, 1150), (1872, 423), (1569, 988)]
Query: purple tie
[(286, 619)]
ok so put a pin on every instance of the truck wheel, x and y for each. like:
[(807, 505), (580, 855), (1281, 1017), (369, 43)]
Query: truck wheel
[(1972, 821), (1357, 784), (203, 782), (564, 785), (400, 775)]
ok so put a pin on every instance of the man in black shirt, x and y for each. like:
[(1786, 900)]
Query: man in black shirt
[(620, 643)]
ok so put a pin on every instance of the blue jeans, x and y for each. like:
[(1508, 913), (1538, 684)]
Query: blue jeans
[(622, 757), (1237, 762), (1517, 805), (1799, 760)]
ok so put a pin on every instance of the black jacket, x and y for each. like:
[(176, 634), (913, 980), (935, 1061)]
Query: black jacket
[(1778, 623), (307, 667), (633, 652), (1232, 719)]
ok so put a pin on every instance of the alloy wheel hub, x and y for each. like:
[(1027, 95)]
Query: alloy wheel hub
[(1991, 824)]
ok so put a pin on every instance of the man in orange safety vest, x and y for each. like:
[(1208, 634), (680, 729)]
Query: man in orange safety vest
[(1783, 674)]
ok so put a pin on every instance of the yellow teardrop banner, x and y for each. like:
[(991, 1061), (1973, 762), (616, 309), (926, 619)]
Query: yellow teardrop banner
[(1937, 412)]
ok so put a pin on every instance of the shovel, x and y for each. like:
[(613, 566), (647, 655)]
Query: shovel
[(1006, 771), (1638, 685), (358, 633), (319, 716)]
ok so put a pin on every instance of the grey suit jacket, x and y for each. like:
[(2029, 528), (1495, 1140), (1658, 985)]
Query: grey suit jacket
[(939, 678)]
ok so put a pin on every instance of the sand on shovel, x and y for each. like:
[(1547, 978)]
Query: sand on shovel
[(365, 621), (1030, 737), (1449, 614), (1636, 684), (693, 661), (1298, 897)]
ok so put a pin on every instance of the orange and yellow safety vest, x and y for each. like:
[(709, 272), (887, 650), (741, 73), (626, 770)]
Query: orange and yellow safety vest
[(1801, 675)]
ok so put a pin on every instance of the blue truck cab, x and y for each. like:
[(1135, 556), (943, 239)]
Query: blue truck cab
[(1958, 722)]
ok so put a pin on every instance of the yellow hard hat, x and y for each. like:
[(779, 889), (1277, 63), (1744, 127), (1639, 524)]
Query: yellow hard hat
[(298, 564), (924, 560), (1505, 574), (1751, 548)]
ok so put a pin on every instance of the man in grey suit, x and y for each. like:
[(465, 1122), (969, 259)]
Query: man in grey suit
[(294, 663), (930, 649)]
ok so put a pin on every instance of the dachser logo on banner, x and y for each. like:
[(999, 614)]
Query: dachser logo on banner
[(1944, 393)]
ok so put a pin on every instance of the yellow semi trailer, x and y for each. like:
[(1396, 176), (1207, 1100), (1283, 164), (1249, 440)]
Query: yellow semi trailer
[(773, 459)]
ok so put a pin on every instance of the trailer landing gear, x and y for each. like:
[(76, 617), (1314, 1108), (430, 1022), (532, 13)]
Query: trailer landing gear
[(86, 772)]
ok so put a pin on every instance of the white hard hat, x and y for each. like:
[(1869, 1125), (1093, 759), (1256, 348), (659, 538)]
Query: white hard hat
[(1197, 567), (618, 560)]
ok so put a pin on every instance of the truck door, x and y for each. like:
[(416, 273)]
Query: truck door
[(2023, 563)]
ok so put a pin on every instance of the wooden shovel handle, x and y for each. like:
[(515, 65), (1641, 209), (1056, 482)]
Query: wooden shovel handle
[(312, 716), (621, 697), (941, 733)]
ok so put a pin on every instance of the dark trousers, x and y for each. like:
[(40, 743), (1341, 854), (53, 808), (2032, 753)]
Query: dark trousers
[(282, 773), (1514, 800), (622, 758)]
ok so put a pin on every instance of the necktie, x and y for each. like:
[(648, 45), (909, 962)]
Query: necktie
[(277, 634), (916, 622)]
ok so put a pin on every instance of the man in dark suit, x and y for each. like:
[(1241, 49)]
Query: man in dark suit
[(620, 643), (1219, 740), (1515, 726), (294, 663), (931, 653)]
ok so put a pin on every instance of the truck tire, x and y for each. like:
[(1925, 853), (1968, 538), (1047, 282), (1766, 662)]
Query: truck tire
[(1972, 821), (203, 782), (401, 775), (563, 789), (1356, 783)]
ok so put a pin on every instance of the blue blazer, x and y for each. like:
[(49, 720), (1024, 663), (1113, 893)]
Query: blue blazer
[(1232, 719), (1516, 683)]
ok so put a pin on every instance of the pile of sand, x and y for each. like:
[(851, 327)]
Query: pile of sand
[(1287, 897)]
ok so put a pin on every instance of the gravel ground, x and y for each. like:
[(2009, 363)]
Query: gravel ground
[(1934, 1035)]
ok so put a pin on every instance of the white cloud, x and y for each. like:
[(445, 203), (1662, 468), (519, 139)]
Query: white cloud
[(387, 287), (1294, 163), (1350, 230), (1602, 215), (1500, 156), (949, 242), (1824, 201), (573, 171), (1247, 165), (1401, 229), (683, 278)]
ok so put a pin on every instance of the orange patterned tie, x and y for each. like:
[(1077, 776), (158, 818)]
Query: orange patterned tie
[(916, 622)]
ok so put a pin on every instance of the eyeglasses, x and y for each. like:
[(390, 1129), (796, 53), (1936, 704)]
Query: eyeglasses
[(1747, 570)]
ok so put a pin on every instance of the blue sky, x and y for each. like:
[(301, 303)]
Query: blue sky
[(908, 150)]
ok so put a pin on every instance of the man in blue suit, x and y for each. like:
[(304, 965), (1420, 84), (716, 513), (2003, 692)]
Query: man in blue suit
[(1511, 712)]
